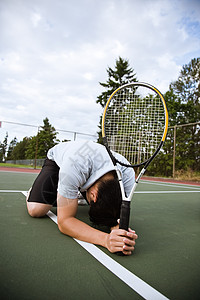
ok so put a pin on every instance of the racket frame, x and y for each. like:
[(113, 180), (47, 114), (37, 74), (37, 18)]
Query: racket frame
[(125, 206)]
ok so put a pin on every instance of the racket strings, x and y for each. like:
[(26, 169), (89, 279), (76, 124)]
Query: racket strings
[(134, 123)]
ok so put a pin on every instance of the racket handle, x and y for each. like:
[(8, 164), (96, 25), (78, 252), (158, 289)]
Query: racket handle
[(124, 215)]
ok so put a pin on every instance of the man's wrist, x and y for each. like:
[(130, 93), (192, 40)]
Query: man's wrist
[(104, 239)]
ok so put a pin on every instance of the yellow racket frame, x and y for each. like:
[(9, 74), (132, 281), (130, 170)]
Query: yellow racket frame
[(138, 84)]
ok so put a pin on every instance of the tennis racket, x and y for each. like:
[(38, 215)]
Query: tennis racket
[(134, 124)]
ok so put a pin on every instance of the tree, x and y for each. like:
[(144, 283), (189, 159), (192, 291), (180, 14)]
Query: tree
[(19, 151), (3, 148), (39, 145), (122, 74), (183, 102), (46, 138), (187, 91), (11, 147)]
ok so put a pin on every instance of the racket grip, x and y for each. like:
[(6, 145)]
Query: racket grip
[(124, 215)]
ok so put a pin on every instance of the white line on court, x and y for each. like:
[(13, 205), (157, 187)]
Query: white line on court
[(185, 186), (134, 282), (13, 191)]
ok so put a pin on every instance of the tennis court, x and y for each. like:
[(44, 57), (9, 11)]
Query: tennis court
[(38, 262)]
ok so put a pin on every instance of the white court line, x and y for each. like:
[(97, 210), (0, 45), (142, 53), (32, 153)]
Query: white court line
[(134, 282), (171, 184), (24, 193), (13, 191)]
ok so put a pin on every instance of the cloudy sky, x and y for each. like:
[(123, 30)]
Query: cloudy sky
[(53, 54)]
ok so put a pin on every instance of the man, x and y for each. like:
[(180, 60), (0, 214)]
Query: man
[(83, 166)]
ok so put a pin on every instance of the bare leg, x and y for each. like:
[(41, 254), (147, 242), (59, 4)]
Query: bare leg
[(36, 209)]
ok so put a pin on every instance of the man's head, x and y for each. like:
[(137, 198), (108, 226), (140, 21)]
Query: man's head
[(105, 200)]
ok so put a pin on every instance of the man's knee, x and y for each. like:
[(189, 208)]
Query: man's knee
[(37, 210)]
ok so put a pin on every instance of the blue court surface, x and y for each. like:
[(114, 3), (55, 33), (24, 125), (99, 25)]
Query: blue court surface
[(38, 262)]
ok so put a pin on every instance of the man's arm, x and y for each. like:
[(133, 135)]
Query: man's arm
[(117, 240)]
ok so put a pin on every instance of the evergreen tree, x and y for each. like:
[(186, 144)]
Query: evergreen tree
[(46, 138), (11, 147), (3, 148), (120, 75), (39, 145)]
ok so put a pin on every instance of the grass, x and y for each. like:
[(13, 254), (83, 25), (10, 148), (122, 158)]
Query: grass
[(18, 166), (187, 175)]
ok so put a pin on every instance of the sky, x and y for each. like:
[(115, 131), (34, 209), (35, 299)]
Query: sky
[(53, 54)]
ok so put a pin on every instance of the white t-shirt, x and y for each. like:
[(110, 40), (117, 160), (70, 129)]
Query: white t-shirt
[(82, 163)]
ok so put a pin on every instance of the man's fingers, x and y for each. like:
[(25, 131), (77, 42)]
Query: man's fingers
[(130, 233), (129, 242), (121, 240), (134, 234), (127, 252)]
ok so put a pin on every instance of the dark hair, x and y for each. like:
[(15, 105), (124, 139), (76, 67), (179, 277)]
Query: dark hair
[(106, 210)]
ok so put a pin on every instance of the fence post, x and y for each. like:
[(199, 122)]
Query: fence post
[(174, 153)]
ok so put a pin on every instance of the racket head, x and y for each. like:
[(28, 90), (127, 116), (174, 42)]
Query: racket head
[(135, 122)]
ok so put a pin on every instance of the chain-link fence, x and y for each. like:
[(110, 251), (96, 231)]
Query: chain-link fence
[(180, 154), (186, 148), (10, 130)]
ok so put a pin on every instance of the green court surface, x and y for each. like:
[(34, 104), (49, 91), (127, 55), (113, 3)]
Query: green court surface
[(38, 262)]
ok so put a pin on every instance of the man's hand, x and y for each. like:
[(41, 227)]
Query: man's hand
[(120, 240)]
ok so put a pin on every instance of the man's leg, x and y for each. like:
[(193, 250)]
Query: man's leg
[(36, 209), (43, 194)]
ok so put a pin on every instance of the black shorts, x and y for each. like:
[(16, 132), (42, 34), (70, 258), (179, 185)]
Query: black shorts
[(44, 189)]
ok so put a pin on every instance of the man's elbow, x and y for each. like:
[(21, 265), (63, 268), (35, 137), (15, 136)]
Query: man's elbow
[(64, 225), (60, 226)]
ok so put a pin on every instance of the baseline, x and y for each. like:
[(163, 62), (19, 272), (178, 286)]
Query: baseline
[(171, 185), (13, 191)]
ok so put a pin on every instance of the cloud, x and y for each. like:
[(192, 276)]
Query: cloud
[(35, 18), (54, 54)]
